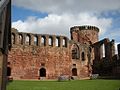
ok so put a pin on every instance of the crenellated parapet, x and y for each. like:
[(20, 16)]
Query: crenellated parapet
[(86, 27), (20, 38)]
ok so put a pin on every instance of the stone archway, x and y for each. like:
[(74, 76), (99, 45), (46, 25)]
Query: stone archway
[(74, 72), (42, 72)]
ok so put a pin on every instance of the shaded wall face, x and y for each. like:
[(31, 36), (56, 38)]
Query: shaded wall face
[(26, 62)]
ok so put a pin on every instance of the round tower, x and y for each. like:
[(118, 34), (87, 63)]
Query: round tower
[(84, 34)]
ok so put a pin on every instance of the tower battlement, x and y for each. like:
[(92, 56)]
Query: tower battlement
[(86, 27)]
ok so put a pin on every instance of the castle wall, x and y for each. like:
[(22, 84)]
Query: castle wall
[(32, 52), (28, 56), (26, 62), (43, 56)]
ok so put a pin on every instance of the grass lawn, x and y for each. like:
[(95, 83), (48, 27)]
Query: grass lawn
[(66, 85)]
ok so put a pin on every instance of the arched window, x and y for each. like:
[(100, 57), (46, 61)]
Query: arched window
[(64, 42), (103, 50), (20, 39), (74, 72), (13, 38), (42, 72), (83, 56), (90, 49), (50, 41), (8, 71), (57, 41), (27, 40), (43, 40), (36, 40), (75, 52)]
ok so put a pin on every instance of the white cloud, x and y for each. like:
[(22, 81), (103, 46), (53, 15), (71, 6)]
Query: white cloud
[(60, 24), (63, 14), (68, 6)]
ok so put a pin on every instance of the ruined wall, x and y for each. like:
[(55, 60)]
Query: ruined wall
[(81, 59), (107, 64), (32, 52), (116, 67), (55, 54), (34, 56), (84, 34), (105, 47)]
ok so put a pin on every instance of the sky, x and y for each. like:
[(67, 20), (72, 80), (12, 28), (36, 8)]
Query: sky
[(57, 16)]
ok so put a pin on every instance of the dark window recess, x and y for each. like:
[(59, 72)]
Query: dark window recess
[(75, 53), (83, 56), (74, 64), (90, 49), (8, 71)]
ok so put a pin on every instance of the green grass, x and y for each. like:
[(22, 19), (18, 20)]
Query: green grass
[(66, 85)]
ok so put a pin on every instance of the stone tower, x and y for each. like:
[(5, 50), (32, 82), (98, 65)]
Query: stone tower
[(84, 34)]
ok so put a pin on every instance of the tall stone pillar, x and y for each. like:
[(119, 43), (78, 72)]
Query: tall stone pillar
[(67, 42), (46, 40), (54, 41), (3, 71), (112, 49), (39, 40), (32, 41), (107, 49), (24, 39), (5, 39), (97, 50), (61, 41)]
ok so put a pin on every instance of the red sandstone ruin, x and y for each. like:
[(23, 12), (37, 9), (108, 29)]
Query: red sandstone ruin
[(39, 56)]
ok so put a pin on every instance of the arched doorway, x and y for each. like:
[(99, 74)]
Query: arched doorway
[(8, 71), (74, 72), (42, 72)]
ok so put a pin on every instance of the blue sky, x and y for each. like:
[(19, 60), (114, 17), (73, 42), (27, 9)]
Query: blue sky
[(57, 16), (20, 13)]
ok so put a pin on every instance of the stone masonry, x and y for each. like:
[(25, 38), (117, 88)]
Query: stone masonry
[(43, 56)]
